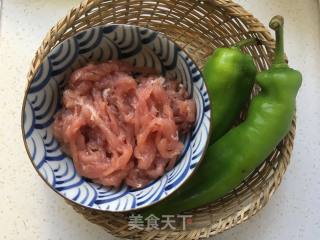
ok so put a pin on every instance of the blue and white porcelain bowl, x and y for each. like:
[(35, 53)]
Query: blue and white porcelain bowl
[(140, 47)]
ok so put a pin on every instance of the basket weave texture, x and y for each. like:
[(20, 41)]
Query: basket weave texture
[(198, 27)]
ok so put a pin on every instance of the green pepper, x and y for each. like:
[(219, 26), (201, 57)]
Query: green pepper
[(230, 75), (234, 156)]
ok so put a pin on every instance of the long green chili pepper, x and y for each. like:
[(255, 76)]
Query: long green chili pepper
[(234, 156), (230, 75)]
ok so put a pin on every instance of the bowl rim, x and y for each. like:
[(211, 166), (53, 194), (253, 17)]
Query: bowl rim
[(26, 91)]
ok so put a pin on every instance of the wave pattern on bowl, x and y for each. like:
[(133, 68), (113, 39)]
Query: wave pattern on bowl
[(140, 47)]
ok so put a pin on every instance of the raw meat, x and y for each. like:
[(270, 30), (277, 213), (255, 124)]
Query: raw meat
[(120, 129)]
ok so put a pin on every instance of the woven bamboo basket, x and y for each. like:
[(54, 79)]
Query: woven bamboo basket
[(198, 27)]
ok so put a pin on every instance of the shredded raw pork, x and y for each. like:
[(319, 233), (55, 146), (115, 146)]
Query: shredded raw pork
[(119, 128)]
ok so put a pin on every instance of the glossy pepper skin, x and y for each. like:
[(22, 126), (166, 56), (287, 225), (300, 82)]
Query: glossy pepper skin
[(234, 156), (230, 75)]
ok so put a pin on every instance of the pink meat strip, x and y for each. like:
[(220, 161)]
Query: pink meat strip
[(119, 129)]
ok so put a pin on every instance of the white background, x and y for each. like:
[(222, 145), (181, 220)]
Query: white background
[(30, 210)]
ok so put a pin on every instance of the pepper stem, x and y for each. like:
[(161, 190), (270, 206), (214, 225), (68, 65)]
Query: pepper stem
[(246, 42), (276, 24)]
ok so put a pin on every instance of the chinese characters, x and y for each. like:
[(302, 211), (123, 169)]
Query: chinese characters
[(152, 222)]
